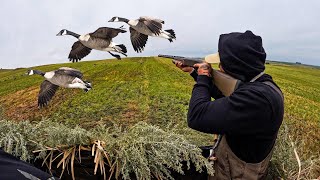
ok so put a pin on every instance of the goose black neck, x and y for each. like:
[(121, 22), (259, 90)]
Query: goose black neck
[(38, 72), (73, 34), (123, 20)]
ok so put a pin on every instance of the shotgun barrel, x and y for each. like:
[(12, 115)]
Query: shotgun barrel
[(186, 61)]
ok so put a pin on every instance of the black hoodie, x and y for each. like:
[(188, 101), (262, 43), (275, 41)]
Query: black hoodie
[(250, 117)]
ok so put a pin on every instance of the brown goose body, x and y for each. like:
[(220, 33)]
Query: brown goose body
[(143, 27), (101, 40), (63, 77)]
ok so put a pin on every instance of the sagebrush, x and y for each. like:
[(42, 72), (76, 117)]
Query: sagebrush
[(143, 150)]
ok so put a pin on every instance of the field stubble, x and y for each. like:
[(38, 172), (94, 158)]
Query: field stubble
[(155, 91)]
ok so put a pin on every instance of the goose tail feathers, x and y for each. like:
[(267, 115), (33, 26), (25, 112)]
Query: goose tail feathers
[(88, 86), (121, 48), (172, 34)]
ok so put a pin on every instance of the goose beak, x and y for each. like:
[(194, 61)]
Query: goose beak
[(110, 20)]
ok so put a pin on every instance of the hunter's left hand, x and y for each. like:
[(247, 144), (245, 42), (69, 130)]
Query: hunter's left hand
[(204, 69)]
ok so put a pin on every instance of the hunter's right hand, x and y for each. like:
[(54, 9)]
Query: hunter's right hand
[(184, 68)]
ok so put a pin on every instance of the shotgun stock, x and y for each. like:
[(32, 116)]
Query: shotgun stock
[(224, 82)]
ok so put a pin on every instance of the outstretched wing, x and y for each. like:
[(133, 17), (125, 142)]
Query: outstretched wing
[(153, 25), (107, 33), (154, 19), (47, 91), (138, 40), (70, 72), (78, 51)]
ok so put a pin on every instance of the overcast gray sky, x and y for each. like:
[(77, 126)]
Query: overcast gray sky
[(290, 29)]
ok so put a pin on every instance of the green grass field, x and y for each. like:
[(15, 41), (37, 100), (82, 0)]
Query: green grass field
[(153, 90)]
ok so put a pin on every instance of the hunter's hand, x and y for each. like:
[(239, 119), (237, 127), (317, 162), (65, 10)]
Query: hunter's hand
[(204, 69), (184, 68)]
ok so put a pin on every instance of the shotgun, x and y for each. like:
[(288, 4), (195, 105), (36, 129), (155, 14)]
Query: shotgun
[(224, 82)]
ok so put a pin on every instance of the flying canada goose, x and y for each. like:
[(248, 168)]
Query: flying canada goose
[(63, 77), (101, 40), (143, 27)]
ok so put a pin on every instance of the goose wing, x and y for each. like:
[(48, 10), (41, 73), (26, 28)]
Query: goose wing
[(138, 40), (107, 33), (154, 19), (47, 91), (70, 72), (154, 25), (78, 51)]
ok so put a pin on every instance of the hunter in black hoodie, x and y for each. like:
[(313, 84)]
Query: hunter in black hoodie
[(251, 116)]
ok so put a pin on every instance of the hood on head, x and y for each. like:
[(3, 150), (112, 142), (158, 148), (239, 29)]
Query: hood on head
[(241, 55)]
